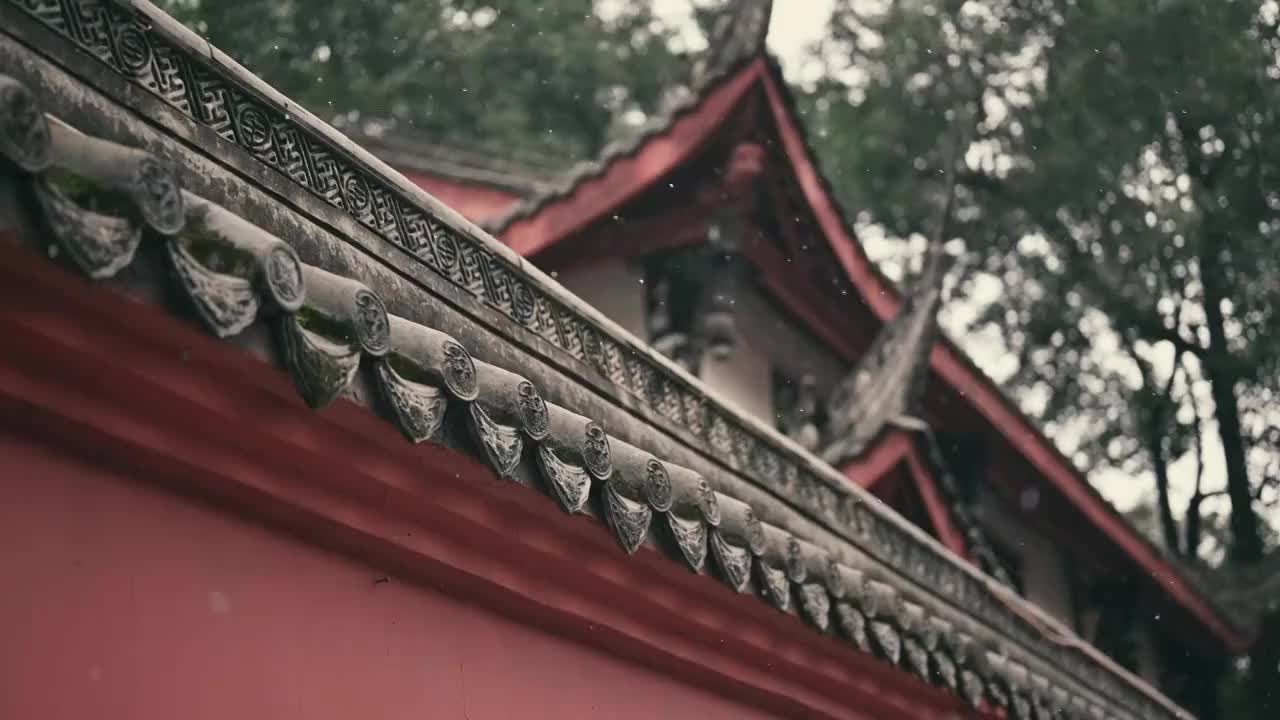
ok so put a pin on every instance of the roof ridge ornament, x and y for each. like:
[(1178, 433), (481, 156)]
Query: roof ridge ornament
[(737, 34), (886, 384)]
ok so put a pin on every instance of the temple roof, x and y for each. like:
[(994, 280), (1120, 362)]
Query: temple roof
[(738, 34), (413, 150), (737, 37), (625, 170), (236, 211)]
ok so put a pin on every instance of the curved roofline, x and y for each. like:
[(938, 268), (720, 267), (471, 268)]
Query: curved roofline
[(621, 175)]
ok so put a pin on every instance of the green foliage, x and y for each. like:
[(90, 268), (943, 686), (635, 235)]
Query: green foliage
[(1118, 215), (549, 77), (1119, 196)]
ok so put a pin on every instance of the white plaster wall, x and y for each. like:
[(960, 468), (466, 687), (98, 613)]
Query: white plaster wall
[(614, 288), (744, 378), (1045, 579), (768, 330), (766, 339)]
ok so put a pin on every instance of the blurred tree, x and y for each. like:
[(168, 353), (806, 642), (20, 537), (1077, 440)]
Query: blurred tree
[(552, 77), (1120, 197)]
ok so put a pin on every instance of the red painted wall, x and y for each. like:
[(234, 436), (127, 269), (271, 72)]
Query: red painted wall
[(122, 601)]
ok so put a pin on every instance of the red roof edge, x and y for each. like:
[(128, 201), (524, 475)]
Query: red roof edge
[(951, 364), (927, 487), (624, 176), (892, 449)]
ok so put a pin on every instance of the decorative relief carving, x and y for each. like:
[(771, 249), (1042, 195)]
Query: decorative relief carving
[(101, 245), (419, 408), (794, 564), (691, 537), (158, 195), (816, 605), (595, 452), (501, 444), (1021, 707), (628, 518), (282, 278), (657, 485), (854, 625), (533, 411), (946, 670), (224, 263), (733, 562), (886, 642), (321, 369), (570, 483), (459, 371), (707, 502), (24, 133), (774, 583), (227, 304), (370, 320), (972, 689), (917, 658)]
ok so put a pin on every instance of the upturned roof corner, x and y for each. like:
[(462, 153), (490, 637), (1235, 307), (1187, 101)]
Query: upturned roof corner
[(738, 34)]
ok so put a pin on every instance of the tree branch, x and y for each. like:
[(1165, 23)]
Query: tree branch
[(1149, 325)]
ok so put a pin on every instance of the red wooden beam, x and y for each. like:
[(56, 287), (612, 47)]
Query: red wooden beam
[(939, 515)]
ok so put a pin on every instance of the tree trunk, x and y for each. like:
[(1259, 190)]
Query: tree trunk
[(1160, 466), (1246, 539), (1264, 669), (1191, 536)]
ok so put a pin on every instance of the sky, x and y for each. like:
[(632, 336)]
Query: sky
[(794, 27)]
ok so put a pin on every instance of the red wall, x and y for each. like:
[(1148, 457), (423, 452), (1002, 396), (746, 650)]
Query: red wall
[(124, 602)]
